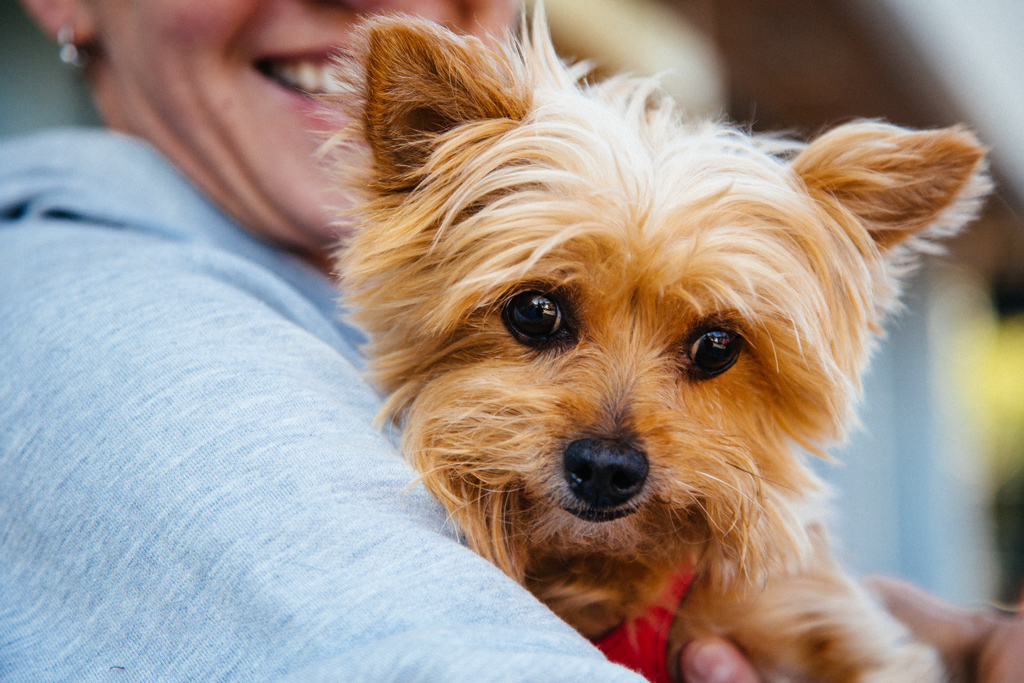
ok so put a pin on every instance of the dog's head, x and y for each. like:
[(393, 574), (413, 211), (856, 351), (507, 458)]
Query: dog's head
[(604, 329)]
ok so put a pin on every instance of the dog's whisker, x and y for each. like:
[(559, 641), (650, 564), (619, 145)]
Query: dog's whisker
[(761, 477), (710, 519), (752, 500)]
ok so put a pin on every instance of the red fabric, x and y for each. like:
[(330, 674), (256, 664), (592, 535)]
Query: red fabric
[(641, 643)]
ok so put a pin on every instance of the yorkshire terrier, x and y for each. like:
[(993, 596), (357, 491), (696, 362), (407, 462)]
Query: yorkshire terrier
[(609, 334)]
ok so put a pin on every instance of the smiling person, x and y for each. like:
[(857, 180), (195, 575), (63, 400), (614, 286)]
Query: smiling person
[(218, 88), (191, 486)]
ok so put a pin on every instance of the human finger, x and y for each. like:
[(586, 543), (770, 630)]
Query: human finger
[(714, 660), (958, 633)]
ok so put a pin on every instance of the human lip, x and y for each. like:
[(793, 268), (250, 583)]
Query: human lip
[(305, 75)]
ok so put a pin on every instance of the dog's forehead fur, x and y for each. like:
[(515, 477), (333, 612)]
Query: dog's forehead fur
[(686, 219), (604, 191)]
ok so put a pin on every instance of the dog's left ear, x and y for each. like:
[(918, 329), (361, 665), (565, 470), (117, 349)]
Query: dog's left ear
[(421, 80), (897, 183)]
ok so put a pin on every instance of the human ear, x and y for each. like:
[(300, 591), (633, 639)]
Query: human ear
[(53, 15)]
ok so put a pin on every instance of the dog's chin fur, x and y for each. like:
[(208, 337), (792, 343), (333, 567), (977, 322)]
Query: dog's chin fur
[(494, 171)]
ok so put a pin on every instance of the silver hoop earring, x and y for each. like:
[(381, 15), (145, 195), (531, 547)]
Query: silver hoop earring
[(69, 52)]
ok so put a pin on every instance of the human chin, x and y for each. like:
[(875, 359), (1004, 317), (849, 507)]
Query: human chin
[(303, 197)]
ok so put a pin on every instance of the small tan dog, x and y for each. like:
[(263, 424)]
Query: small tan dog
[(606, 332)]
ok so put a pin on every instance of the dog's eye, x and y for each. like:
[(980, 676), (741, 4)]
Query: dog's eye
[(533, 316), (715, 351)]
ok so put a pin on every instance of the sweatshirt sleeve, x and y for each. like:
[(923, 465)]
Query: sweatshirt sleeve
[(191, 489)]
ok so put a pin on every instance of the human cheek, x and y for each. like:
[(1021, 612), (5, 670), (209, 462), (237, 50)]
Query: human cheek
[(449, 12), (210, 24), (492, 17), (369, 6)]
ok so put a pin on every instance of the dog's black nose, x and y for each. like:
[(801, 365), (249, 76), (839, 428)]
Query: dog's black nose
[(603, 473)]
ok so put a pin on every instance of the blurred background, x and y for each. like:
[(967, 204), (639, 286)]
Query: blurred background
[(931, 488)]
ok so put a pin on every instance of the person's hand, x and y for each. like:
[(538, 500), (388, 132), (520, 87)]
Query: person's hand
[(985, 646), (714, 660)]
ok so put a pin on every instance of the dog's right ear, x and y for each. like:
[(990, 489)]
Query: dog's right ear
[(420, 81)]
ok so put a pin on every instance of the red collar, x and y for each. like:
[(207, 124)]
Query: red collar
[(640, 643)]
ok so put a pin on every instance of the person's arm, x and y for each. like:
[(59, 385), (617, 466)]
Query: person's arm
[(192, 489)]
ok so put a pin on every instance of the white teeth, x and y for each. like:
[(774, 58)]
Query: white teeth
[(305, 76)]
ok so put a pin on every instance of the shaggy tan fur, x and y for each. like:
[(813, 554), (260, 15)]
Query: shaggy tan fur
[(493, 171)]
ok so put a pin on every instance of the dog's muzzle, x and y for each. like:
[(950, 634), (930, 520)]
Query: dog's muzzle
[(603, 474)]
